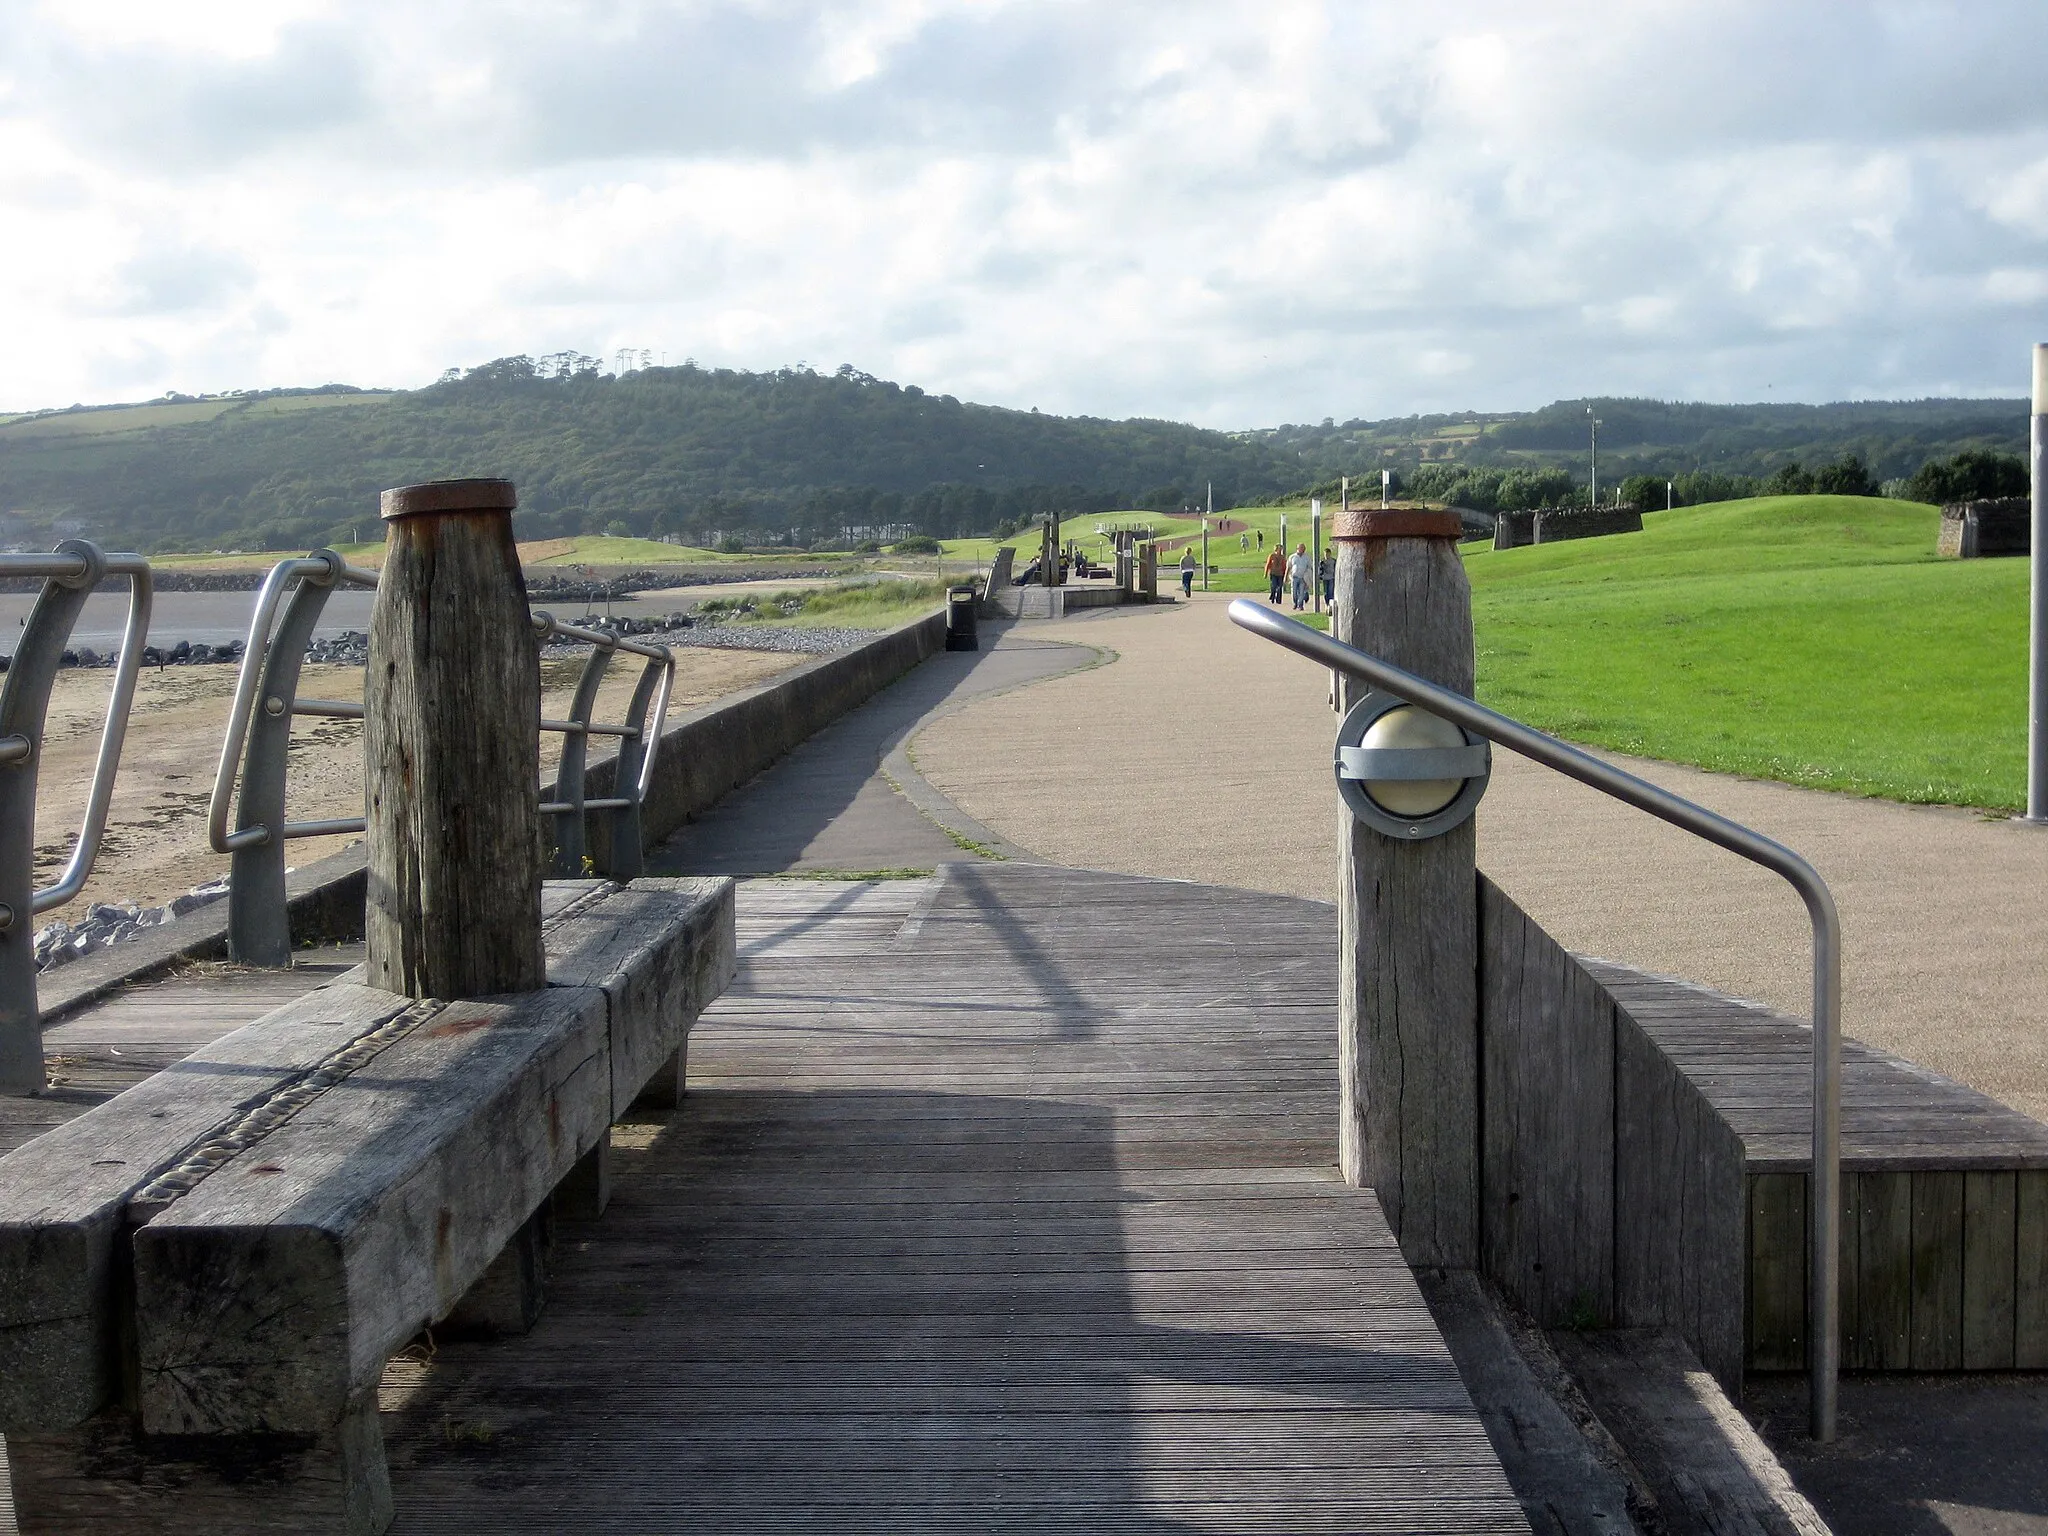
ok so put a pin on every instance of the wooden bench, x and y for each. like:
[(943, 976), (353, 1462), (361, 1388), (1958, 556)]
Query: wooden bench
[(201, 1279), (1646, 1162)]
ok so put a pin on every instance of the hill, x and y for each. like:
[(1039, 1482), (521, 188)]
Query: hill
[(792, 455), (796, 457), (1812, 639)]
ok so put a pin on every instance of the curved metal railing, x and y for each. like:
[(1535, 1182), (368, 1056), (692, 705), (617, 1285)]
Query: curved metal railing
[(1824, 1235), (258, 741), (639, 738), (70, 573)]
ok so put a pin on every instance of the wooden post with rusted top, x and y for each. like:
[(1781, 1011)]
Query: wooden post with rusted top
[(1408, 1006), (451, 739)]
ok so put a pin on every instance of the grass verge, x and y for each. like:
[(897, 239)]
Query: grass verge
[(1811, 639)]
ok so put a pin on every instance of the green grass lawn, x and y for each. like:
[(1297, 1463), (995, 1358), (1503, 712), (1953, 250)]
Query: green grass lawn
[(1813, 639), (877, 604)]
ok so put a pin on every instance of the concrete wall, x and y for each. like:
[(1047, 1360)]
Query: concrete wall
[(713, 750)]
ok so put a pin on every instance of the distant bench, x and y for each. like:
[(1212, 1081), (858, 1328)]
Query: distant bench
[(201, 1279)]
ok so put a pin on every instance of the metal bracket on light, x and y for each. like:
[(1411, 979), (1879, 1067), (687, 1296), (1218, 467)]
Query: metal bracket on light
[(1406, 772)]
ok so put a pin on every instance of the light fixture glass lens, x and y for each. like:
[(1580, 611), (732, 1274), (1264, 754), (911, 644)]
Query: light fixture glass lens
[(1407, 726)]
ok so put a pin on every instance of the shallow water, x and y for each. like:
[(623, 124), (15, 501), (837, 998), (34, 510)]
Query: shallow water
[(214, 618)]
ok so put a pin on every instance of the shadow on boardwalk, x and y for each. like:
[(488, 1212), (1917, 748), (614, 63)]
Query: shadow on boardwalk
[(977, 1217)]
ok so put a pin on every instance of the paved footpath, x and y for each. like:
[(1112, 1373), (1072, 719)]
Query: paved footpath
[(1203, 752)]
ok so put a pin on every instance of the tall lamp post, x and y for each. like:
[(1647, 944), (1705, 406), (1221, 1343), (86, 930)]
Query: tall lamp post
[(1593, 480), (1209, 512), (2037, 603)]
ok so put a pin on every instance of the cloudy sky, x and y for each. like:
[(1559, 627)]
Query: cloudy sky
[(1234, 213)]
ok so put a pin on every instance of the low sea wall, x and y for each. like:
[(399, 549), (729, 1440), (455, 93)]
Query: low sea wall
[(712, 751)]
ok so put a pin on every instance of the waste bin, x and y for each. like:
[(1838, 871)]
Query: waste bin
[(960, 634)]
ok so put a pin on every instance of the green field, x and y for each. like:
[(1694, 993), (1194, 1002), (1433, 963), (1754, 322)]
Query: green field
[(120, 420), (875, 604), (1813, 639)]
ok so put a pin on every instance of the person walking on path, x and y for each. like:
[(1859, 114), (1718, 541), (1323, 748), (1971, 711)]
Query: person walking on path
[(1299, 569), (1187, 572), (1276, 573), (1326, 573)]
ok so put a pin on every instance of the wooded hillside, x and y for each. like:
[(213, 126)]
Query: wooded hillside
[(801, 457)]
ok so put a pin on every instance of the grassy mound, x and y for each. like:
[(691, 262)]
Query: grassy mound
[(1813, 639)]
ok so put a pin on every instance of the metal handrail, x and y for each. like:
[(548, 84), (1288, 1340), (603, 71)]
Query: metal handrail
[(1824, 1235), (639, 737), (316, 575), (256, 743), (70, 573)]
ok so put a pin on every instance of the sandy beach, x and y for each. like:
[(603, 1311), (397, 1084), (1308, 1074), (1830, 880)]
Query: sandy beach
[(155, 845)]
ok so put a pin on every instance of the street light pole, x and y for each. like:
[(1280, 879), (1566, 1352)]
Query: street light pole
[(1593, 481), (2037, 603)]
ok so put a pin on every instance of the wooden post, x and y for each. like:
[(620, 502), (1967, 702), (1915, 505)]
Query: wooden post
[(451, 737), (1408, 1006)]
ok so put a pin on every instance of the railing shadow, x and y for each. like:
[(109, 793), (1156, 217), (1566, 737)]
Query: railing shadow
[(898, 1311)]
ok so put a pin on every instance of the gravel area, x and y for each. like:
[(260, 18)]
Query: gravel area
[(787, 639)]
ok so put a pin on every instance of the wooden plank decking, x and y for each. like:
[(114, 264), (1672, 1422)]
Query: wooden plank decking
[(1000, 1201)]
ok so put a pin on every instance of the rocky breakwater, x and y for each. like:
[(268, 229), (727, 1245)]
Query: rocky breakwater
[(109, 922)]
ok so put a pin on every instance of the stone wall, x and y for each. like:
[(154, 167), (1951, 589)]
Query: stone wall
[(1974, 529), (1553, 525), (1556, 524)]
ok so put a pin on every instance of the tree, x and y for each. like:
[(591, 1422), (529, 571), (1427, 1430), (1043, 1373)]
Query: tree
[(1645, 492), (1974, 474), (1845, 477), (1788, 480)]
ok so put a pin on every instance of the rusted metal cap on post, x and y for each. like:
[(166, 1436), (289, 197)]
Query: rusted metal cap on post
[(1396, 523), (450, 496)]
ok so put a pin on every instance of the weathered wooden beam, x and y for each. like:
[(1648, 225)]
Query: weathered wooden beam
[(1408, 1006), (64, 1197), (272, 1293), (661, 950), (102, 1480), (1547, 1050), (451, 734)]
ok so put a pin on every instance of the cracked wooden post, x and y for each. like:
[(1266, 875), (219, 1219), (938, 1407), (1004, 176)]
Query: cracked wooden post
[(1408, 1004), (451, 746)]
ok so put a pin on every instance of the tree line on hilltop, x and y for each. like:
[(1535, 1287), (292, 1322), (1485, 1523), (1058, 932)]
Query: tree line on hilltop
[(797, 457)]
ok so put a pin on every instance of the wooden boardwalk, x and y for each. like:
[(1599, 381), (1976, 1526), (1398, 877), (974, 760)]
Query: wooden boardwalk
[(1001, 1201)]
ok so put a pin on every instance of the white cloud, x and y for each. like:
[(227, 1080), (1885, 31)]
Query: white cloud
[(1232, 211)]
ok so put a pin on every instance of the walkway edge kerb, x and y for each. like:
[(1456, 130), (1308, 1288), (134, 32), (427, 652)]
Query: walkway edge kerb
[(704, 755)]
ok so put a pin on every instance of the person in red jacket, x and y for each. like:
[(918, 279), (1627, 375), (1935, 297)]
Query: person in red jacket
[(1276, 574)]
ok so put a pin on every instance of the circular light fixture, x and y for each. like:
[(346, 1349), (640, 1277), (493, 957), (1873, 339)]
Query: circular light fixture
[(1406, 772)]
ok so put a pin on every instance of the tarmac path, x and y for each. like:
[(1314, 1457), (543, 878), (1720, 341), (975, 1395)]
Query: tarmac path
[(1202, 753)]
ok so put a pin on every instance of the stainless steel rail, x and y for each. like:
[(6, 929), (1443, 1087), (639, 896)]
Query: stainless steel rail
[(70, 573), (257, 743), (1824, 1230), (639, 737)]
